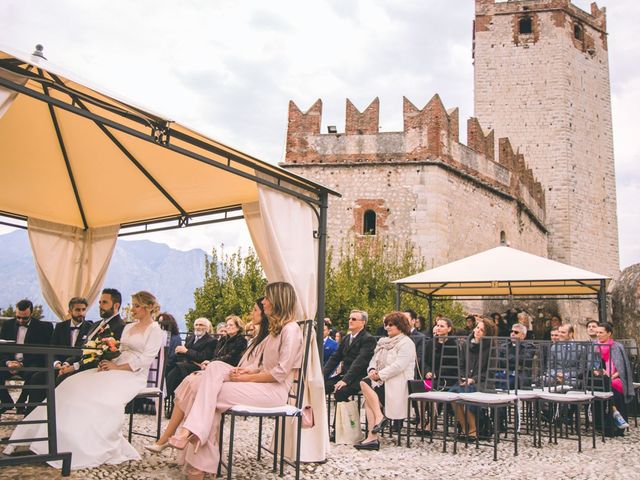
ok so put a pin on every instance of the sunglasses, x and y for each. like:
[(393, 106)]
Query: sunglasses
[(389, 324), (355, 319)]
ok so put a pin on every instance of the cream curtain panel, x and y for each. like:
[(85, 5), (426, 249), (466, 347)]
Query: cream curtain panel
[(281, 228), (85, 258)]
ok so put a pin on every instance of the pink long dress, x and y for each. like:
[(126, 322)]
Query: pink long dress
[(204, 396)]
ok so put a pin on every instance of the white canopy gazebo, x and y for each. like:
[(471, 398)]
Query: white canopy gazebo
[(82, 166), (506, 272)]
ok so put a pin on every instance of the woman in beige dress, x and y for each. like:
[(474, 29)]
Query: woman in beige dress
[(261, 380)]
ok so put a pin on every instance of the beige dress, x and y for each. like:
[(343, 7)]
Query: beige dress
[(203, 396)]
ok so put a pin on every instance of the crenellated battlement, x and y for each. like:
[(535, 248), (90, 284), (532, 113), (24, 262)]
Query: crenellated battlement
[(430, 134)]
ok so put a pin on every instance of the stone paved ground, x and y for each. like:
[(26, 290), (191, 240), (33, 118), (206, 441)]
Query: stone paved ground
[(616, 459)]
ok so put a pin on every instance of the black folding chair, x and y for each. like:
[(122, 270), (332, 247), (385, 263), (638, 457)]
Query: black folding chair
[(293, 409), (153, 390)]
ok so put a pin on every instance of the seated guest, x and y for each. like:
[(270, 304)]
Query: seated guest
[(469, 326), (330, 345), (198, 348), (525, 319), (565, 357), (111, 324), (474, 360), (443, 369), (421, 325), (168, 324), (416, 335), (501, 324), (355, 352), (221, 330), (386, 385), (233, 344), (69, 333), (617, 370), (517, 347), (555, 322), (592, 330), (23, 329)]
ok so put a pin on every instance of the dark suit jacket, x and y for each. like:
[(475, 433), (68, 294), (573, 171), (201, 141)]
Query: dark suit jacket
[(38, 333), (116, 325), (198, 351), (355, 357), (62, 335), (419, 339), (230, 349)]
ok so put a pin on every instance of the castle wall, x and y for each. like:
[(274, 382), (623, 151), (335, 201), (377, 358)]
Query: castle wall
[(549, 92), (445, 215)]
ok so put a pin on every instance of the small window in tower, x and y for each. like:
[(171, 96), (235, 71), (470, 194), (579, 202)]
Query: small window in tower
[(577, 31), (369, 224), (526, 25), (503, 238)]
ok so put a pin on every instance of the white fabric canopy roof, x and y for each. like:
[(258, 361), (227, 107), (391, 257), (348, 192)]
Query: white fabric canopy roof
[(81, 164), (504, 271), (83, 157)]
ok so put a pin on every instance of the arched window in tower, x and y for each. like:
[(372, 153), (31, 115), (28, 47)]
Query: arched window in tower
[(578, 33), (525, 25), (503, 238), (369, 223)]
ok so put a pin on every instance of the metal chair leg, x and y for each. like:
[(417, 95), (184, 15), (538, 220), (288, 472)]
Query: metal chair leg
[(232, 429)]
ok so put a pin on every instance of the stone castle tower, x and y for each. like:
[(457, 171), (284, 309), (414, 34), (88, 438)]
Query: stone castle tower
[(542, 79), (421, 184)]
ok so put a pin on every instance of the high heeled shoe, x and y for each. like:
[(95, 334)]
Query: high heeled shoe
[(180, 443), (380, 426), (156, 448)]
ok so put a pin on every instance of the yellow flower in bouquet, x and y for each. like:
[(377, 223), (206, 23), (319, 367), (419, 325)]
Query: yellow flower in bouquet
[(106, 348)]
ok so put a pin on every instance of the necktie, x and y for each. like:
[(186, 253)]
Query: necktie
[(75, 328)]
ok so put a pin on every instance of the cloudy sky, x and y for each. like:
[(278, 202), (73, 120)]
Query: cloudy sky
[(228, 69)]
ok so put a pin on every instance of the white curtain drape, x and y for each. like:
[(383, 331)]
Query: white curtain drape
[(281, 228), (70, 261)]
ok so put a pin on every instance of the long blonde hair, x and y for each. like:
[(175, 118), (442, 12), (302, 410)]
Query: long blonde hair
[(282, 298), (148, 301)]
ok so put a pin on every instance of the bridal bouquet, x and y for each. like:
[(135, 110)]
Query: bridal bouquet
[(104, 348)]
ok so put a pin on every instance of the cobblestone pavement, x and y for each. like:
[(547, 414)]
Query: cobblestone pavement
[(616, 459)]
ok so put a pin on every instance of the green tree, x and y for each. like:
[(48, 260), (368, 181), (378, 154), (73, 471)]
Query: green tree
[(362, 279), (231, 285), (11, 312)]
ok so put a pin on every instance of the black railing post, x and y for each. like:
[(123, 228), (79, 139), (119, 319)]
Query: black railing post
[(322, 271)]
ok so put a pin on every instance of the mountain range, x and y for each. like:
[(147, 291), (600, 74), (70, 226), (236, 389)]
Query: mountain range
[(171, 275)]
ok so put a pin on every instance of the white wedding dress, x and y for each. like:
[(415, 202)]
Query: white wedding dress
[(90, 406)]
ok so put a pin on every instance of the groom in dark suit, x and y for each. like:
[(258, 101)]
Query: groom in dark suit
[(355, 352), (24, 330), (110, 302), (197, 348), (69, 333)]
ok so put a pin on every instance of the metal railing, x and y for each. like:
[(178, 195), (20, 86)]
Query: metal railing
[(49, 354)]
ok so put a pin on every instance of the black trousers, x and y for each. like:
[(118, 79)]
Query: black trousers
[(177, 374), (25, 394), (345, 392)]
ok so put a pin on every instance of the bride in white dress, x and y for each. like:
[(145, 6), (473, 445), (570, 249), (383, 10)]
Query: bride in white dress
[(90, 404)]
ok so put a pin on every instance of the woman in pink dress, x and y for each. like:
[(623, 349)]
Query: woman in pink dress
[(262, 380)]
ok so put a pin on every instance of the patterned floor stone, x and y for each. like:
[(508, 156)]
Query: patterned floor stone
[(615, 459)]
